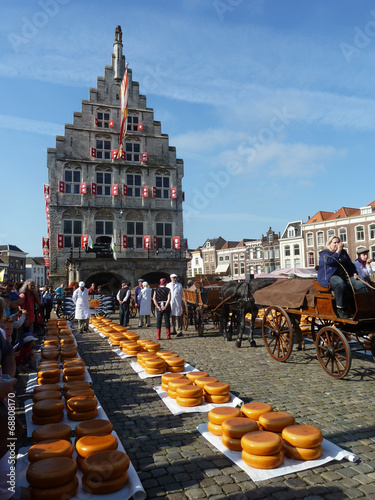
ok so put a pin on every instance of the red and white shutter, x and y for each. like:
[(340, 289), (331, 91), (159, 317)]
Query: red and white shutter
[(60, 241), (154, 242), (45, 243), (176, 242), (124, 241), (83, 188), (61, 187), (143, 157), (114, 189), (145, 192), (93, 188), (147, 242), (140, 126), (125, 190), (46, 189), (93, 152), (84, 240), (173, 193), (110, 123), (154, 192), (114, 154)]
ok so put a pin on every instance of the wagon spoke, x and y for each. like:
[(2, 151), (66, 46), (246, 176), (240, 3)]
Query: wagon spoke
[(333, 351), (277, 333)]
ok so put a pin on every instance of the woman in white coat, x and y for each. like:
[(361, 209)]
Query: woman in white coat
[(82, 313), (144, 301)]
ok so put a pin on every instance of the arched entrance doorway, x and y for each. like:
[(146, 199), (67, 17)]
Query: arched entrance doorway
[(154, 277), (108, 282)]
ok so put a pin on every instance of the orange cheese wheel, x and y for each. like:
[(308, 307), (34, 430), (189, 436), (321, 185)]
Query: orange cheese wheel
[(218, 415), (261, 443), (50, 448), (302, 436), (162, 354), (66, 340), (48, 364), (96, 427), (231, 443), (79, 392), (47, 387), (217, 388), (50, 419), (254, 409), (154, 371), (175, 369), (215, 429), (50, 354), (87, 445), (299, 453), (154, 363), (174, 361), (170, 376), (51, 431), (52, 472), (211, 398), (276, 421), (202, 381), (74, 378), (189, 391), (263, 461), (53, 342), (188, 402), (172, 394), (46, 381), (75, 384), (64, 491), (164, 387), (238, 426), (104, 487), (73, 370), (82, 415), (73, 362), (48, 407), (107, 464), (132, 351), (174, 383), (196, 374), (82, 403), (38, 396)]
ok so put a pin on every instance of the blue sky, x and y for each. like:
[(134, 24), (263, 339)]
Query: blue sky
[(269, 103)]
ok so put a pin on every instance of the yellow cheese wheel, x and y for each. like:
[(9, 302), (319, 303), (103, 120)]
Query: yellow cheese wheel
[(163, 354), (202, 381), (73, 378), (211, 398), (50, 419), (299, 453), (254, 409), (231, 443), (302, 436), (82, 415), (218, 415), (217, 388), (154, 371), (46, 381), (174, 361), (51, 431), (64, 491), (104, 487), (154, 363), (74, 384), (175, 369), (47, 387), (38, 396), (53, 342), (215, 429), (107, 464), (50, 448), (275, 421), (196, 374), (73, 362), (170, 376), (189, 391), (87, 445), (48, 407), (261, 443), (188, 402), (66, 340), (164, 387), (82, 403), (73, 370), (174, 383), (263, 461), (238, 426), (96, 427), (52, 472)]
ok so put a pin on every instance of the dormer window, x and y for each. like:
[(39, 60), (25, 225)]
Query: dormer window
[(291, 232)]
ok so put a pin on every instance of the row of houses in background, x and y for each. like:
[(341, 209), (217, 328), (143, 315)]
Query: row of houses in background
[(18, 267)]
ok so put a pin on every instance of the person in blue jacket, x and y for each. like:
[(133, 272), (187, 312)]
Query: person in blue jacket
[(336, 269)]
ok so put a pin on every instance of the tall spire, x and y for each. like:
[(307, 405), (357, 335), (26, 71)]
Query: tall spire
[(119, 63)]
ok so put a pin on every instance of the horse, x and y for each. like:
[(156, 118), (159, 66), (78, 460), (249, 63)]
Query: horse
[(239, 298)]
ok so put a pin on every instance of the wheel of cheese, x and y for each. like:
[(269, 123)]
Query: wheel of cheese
[(155, 371), (74, 378), (68, 354), (238, 426), (52, 472), (155, 363), (82, 415), (46, 381), (53, 342), (175, 369), (48, 407), (73, 370), (174, 361), (231, 443), (162, 354), (87, 445), (254, 409), (188, 402), (299, 453), (196, 374), (48, 363), (218, 415), (51, 431), (189, 391), (172, 394), (78, 392), (50, 448), (217, 388), (65, 331), (47, 387), (170, 376), (73, 362), (263, 461), (202, 381), (174, 383), (50, 354), (97, 427), (262, 443), (74, 384), (104, 487), (82, 403), (211, 398), (275, 421), (51, 419), (46, 395), (164, 387), (215, 429), (66, 340), (302, 436), (64, 491), (49, 372), (107, 464)]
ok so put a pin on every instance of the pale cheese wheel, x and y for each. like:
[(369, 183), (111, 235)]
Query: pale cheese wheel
[(47, 387), (238, 426), (189, 391), (217, 388), (170, 376), (254, 409), (231, 442), (38, 396), (82, 403), (276, 421), (262, 443), (50, 419), (104, 487), (215, 429), (263, 461), (196, 374), (211, 398), (97, 427), (87, 445), (107, 464), (48, 407), (298, 453), (64, 491), (202, 381), (82, 415), (51, 431), (188, 402), (50, 448), (52, 472), (302, 436), (218, 415)]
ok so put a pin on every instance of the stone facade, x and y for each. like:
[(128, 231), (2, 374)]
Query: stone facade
[(115, 201), (13, 260)]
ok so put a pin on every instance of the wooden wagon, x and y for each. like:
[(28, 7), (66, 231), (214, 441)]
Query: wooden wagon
[(287, 302), (200, 305)]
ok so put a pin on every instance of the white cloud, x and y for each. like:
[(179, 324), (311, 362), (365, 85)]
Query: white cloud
[(33, 126)]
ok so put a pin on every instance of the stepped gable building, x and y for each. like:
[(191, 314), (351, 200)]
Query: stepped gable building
[(13, 260), (97, 203)]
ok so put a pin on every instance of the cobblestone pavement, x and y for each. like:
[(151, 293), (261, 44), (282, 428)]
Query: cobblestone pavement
[(174, 461)]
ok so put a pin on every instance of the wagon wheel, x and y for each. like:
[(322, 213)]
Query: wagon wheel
[(198, 321), (69, 317), (216, 319), (277, 333), (333, 351), (317, 324), (185, 315)]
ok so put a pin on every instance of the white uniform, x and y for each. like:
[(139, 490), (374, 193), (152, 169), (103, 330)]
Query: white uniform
[(144, 299), (176, 298), (81, 300)]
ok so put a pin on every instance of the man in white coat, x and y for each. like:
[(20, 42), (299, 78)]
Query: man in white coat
[(176, 299), (81, 300), (144, 301)]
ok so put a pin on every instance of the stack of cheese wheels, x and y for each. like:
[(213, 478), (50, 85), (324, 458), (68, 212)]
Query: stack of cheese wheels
[(47, 411), (78, 391), (51, 431), (275, 421), (196, 374), (66, 339), (165, 354), (53, 479), (105, 472), (189, 395), (76, 384), (82, 407), (50, 448), (119, 328), (233, 430), (96, 427), (107, 330), (174, 364), (143, 355), (216, 392), (73, 370), (154, 366), (262, 450), (68, 351), (49, 352), (255, 409), (47, 388), (48, 341), (202, 381), (90, 444), (48, 373), (116, 337), (152, 346), (302, 442), (38, 396), (166, 377), (216, 417), (131, 336), (132, 348), (174, 383)]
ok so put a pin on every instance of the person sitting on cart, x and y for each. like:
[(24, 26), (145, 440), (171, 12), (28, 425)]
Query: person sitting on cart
[(337, 269), (363, 265)]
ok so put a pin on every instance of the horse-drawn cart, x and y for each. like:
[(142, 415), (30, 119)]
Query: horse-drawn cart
[(286, 302), (201, 304)]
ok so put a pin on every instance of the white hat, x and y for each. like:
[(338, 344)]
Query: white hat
[(28, 338), (145, 284), (140, 279), (81, 284), (173, 276)]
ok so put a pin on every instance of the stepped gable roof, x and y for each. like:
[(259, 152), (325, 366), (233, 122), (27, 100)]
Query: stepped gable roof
[(319, 217), (345, 212)]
